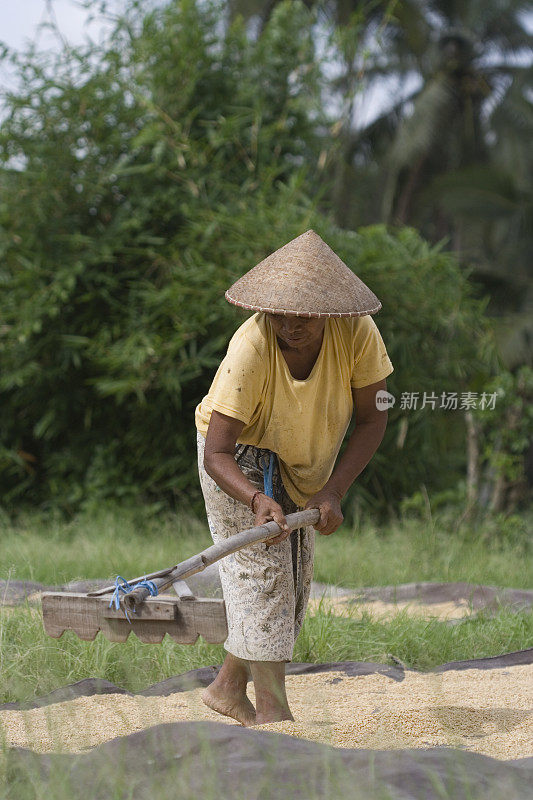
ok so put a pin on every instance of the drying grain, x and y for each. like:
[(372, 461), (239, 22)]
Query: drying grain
[(485, 711), (350, 607)]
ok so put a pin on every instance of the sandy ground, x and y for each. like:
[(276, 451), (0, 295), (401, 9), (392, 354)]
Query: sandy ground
[(347, 607), (484, 711)]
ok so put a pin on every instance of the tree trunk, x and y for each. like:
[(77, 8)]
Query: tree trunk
[(472, 464)]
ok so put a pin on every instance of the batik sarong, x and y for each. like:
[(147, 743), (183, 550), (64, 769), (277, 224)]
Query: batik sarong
[(266, 588)]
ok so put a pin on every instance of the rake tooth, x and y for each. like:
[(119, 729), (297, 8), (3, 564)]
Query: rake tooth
[(147, 636), (116, 630), (85, 634), (55, 631), (181, 638)]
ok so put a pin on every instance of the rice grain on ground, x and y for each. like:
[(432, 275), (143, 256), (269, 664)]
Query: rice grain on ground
[(484, 711), (350, 607)]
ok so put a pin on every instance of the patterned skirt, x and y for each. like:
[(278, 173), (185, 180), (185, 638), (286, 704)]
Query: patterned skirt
[(265, 589)]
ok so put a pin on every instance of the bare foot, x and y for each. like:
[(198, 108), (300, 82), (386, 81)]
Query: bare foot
[(237, 707), (275, 716)]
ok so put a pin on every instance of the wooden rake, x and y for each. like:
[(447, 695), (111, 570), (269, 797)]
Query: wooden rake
[(183, 616)]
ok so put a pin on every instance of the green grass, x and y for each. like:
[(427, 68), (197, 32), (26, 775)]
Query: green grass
[(32, 664), (97, 546), (129, 543), (495, 552)]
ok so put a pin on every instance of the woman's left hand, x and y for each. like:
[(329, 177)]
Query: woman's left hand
[(329, 505)]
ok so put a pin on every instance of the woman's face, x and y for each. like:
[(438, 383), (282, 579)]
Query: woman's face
[(298, 333)]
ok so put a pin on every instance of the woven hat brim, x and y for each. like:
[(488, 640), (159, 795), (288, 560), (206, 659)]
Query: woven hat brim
[(304, 278), (308, 314)]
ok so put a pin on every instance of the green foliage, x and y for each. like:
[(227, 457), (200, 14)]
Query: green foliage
[(117, 167), (505, 428), (508, 422), (137, 181), (447, 146)]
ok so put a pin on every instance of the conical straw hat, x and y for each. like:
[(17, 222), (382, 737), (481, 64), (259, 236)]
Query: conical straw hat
[(304, 278)]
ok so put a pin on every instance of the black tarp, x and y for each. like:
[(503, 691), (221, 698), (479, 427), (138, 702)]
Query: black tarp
[(205, 675), (213, 760)]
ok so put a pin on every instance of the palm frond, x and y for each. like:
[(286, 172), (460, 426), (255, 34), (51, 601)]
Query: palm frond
[(418, 133)]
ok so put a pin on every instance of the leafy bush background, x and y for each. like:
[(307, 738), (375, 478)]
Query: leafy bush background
[(138, 180)]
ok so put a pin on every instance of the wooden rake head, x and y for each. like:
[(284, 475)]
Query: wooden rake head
[(184, 617), (183, 620)]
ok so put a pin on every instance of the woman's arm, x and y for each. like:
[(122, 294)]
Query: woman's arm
[(220, 464), (365, 439)]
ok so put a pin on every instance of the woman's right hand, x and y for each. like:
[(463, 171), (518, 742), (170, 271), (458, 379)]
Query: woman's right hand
[(266, 509)]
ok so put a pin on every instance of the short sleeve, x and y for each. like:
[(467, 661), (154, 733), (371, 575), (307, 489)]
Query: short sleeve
[(238, 385), (371, 360)]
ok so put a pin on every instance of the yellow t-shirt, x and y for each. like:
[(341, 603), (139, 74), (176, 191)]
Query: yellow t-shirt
[(303, 422)]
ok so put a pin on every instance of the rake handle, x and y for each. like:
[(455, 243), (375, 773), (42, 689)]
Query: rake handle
[(199, 562)]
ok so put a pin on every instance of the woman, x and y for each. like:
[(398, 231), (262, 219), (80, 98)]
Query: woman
[(269, 432)]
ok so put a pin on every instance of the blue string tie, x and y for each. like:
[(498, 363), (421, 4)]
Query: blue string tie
[(126, 588), (268, 474)]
